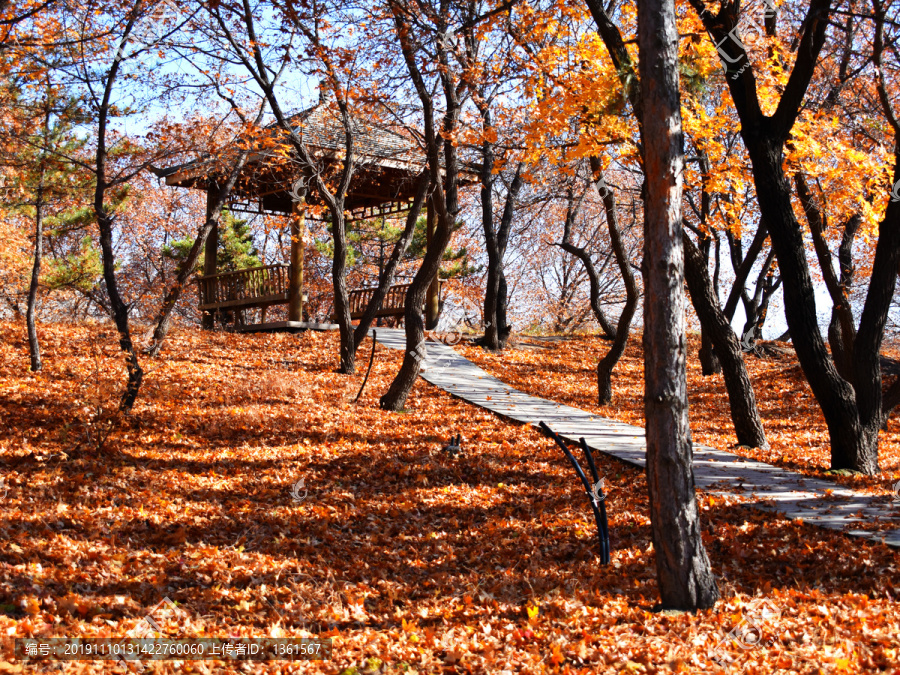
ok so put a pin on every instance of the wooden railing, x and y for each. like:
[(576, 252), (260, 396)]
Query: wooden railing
[(268, 285), (253, 287), (392, 305)]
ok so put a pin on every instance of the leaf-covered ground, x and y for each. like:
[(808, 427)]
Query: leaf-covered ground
[(412, 561)]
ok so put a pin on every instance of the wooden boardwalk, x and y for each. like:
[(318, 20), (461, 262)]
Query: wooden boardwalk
[(770, 488)]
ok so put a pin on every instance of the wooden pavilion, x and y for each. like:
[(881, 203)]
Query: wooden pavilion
[(387, 166)]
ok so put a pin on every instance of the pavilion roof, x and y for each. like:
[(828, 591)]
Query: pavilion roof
[(321, 128), (387, 163)]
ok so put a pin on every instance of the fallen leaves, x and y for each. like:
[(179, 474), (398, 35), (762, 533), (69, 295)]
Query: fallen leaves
[(413, 561)]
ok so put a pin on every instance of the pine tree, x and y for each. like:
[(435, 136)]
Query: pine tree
[(371, 243), (43, 185), (236, 250)]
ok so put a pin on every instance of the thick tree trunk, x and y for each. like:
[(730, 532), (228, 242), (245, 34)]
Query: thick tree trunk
[(867, 346), (742, 402), (852, 447), (683, 569), (34, 347), (840, 351), (491, 298)]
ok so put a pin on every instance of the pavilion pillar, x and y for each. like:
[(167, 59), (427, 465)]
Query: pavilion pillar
[(295, 281), (210, 258), (433, 296)]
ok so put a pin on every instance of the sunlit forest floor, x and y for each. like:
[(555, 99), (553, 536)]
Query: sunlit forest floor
[(410, 560)]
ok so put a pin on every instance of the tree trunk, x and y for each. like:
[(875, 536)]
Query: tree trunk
[(341, 297), (867, 345), (757, 306), (623, 327), (118, 307), (503, 327), (840, 351), (890, 399), (742, 402), (433, 294), (683, 570), (491, 245), (585, 257), (843, 357), (443, 165), (709, 360), (163, 319), (710, 364), (496, 330), (742, 269), (34, 346), (414, 319), (841, 329), (851, 446), (105, 222), (386, 276), (210, 248), (848, 410), (491, 298)]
